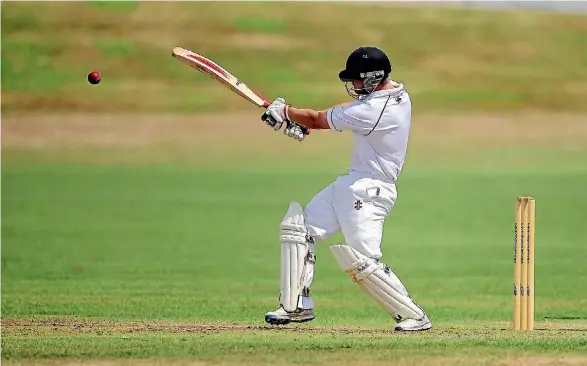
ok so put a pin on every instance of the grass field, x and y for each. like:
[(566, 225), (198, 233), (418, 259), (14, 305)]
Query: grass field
[(140, 221), (450, 58)]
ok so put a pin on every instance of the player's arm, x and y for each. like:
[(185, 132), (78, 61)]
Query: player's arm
[(310, 118), (297, 121)]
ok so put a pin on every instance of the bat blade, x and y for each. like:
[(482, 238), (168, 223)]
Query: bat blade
[(220, 74)]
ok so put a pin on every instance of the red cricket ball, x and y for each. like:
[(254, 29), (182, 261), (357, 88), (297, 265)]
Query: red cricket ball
[(94, 77)]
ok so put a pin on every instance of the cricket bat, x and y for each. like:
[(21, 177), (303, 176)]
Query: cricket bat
[(220, 74)]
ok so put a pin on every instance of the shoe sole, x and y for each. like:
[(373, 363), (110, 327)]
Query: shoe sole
[(420, 329), (277, 321), (302, 320), (281, 321)]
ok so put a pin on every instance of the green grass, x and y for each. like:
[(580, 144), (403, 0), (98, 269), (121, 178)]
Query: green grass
[(257, 24), (114, 47), (449, 58), (303, 347), (160, 245), (193, 245), (116, 6)]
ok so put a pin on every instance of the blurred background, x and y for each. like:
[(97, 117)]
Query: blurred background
[(454, 58), (126, 198)]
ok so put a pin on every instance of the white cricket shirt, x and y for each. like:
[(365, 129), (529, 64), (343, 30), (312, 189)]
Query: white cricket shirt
[(380, 124)]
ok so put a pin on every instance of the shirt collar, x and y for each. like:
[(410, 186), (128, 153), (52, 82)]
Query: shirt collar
[(397, 89)]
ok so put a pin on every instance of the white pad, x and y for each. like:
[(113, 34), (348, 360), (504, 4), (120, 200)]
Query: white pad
[(383, 286), (297, 260)]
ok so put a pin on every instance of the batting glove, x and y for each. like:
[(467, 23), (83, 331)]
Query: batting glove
[(275, 114), (295, 131)]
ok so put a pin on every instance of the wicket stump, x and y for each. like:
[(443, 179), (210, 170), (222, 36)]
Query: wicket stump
[(524, 263)]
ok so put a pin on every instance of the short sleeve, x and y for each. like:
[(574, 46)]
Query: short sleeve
[(354, 117)]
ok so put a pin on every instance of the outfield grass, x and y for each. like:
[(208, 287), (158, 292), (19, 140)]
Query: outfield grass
[(149, 238), (191, 246)]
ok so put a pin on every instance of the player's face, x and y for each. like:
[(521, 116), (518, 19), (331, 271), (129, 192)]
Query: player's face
[(358, 84)]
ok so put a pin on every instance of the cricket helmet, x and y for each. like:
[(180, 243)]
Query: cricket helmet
[(367, 64)]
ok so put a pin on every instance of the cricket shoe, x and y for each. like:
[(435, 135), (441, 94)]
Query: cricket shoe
[(280, 316), (413, 325)]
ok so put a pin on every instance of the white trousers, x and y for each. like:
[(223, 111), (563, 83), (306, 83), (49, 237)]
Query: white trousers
[(356, 204)]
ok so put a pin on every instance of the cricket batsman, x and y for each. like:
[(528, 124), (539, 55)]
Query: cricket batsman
[(356, 203)]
